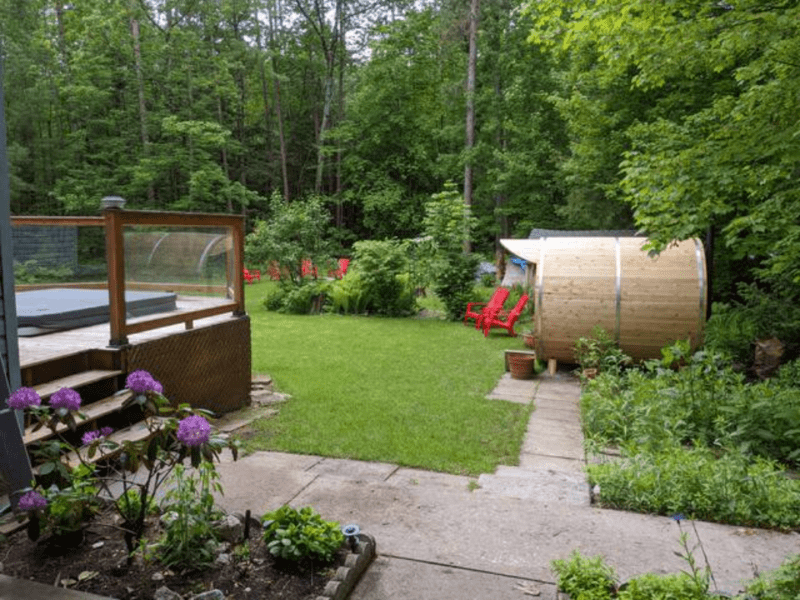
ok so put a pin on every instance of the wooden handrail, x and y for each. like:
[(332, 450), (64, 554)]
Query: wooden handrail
[(63, 221)]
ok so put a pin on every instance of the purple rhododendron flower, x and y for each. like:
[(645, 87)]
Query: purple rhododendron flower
[(141, 382), (66, 398), (31, 501), (23, 398), (193, 431), (96, 434)]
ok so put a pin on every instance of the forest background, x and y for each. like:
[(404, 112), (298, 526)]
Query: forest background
[(678, 119)]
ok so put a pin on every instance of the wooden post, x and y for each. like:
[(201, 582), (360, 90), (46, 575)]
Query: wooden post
[(238, 267), (115, 258), (552, 366)]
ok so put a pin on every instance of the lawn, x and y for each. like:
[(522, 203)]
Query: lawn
[(405, 391)]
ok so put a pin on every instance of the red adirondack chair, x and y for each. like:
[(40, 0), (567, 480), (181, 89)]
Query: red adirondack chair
[(506, 320), (477, 310)]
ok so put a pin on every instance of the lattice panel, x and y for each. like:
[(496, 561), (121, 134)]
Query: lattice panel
[(208, 367)]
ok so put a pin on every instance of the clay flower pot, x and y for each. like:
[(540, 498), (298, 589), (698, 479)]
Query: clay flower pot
[(521, 366)]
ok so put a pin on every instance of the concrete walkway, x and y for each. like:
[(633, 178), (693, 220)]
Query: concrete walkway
[(446, 537)]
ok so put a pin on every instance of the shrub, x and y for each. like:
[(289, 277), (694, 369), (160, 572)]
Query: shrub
[(189, 539), (733, 328), (585, 578), (348, 295), (454, 281), (294, 232), (730, 489), (296, 534), (380, 265)]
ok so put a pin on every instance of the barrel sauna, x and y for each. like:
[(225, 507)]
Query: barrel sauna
[(644, 302)]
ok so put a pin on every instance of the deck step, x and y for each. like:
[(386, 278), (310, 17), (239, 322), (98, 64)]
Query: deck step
[(91, 412), (46, 390), (136, 432)]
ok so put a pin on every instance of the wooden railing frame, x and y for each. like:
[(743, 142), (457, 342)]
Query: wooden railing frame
[(114, 220)]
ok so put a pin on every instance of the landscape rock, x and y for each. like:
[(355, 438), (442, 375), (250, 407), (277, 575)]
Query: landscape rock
[(230, 528), (164, 593), (210, 595)]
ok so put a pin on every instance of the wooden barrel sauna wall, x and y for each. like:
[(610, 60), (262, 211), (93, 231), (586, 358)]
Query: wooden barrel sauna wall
[(644, 302)]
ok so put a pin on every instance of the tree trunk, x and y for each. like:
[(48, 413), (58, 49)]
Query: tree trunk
[(470, 125), (276, 93), (137, 54)]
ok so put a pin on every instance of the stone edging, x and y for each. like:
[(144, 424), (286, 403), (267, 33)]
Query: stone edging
[(354, 566)]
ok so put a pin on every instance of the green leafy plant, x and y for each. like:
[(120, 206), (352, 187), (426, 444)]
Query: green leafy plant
[(293, 233), (731, 488), (585, 578), (294, 534), (781, 584), (600, 351), (69, 507), (189, 539), (381, 266), (129, 505)]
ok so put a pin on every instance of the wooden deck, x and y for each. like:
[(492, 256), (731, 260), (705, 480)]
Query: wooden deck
[(50, 345)]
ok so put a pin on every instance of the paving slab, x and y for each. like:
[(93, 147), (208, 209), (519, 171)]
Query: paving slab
[(569, 407), (553, 444), (567, 417), (390, 578), (353, 469), (541, 423), (264, 481), (431, 479), (520, 391), (556, 463), (544, 485)]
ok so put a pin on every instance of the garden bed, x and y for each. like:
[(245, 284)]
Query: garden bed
[(100, 566)]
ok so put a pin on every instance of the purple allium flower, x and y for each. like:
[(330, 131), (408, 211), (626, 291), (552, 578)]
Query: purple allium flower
[(31, 501), (193, 431), (23, 398), (66, 398), (96, 434), (141, 382)]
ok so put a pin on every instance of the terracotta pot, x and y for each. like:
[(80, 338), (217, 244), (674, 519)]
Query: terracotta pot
[(521, 366), (590, 373), (530, 340)]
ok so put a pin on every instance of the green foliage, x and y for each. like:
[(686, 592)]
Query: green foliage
[(705, 401), (31, 272), (129, 505), (686, 89), (454, 282), (600, 351), (293, 233), (348, 294), (306, 297), (294, 534), (731, 488), (380, 265), (585, 578), (70, 506), (448, 223), (673, 586), (781, 584), (189, 540), (733, 328)]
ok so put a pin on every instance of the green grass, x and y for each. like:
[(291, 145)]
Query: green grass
[(405, 391)]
